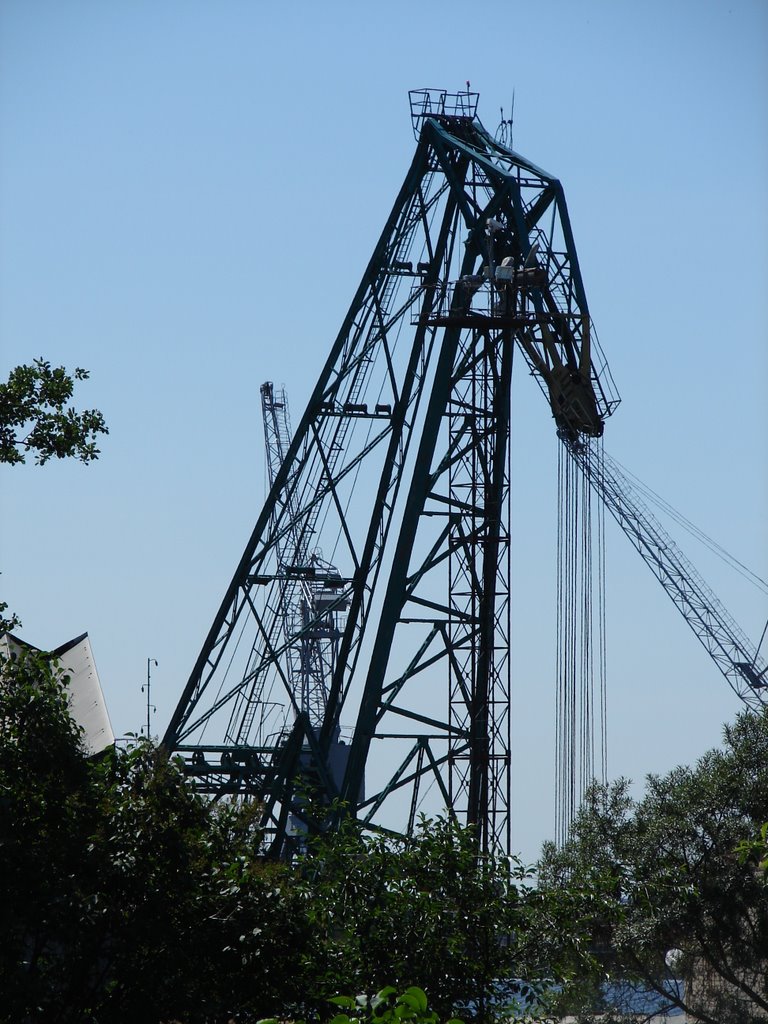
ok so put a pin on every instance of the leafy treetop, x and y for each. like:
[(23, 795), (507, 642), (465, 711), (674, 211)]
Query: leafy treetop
[(35, 416), (682, 907)]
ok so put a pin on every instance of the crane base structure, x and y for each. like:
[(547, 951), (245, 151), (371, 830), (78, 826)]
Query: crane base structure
[(384, 542)]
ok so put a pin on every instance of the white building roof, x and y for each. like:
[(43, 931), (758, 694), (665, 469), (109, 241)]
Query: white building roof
[(86, 698)]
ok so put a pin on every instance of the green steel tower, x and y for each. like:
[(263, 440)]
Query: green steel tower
[(389, 511)]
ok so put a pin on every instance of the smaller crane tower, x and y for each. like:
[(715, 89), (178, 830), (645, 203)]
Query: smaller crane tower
[(311, 609)]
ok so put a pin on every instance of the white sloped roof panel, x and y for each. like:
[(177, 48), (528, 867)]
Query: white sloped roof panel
[(89, 709), (86, 698)]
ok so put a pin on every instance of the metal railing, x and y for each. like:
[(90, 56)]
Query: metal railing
[(439, 103)]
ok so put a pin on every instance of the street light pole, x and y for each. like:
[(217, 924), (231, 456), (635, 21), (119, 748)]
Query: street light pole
[(150, 662)]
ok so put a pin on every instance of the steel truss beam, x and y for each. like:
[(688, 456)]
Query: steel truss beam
[(733, 653)]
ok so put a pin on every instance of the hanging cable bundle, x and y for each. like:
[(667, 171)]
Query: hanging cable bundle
[(580, 740)]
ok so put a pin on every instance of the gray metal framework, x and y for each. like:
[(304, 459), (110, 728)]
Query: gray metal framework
[(310, 608), (398, 474)]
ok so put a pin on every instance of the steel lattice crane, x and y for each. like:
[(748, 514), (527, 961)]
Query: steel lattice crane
[(399, 470), (309, 606)]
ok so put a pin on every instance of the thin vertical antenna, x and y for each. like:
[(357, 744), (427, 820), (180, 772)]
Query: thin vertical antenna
[(504, 131)]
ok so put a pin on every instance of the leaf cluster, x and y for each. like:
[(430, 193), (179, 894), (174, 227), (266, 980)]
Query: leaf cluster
[(8, 622), (755, 850), (387, 1007), (35, 416)]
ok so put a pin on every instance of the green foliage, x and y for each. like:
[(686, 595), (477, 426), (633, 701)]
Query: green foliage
[(754, 850), (129, 897), (194, 919), (45, 821), (425, 911), (126, 896), (666, 896), (387, 1007), (35, 416), (8, 622)]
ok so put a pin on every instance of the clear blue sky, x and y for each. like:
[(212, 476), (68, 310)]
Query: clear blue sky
[(189, 193)]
